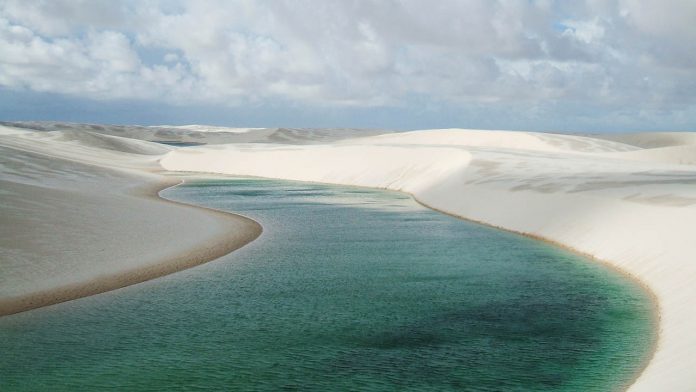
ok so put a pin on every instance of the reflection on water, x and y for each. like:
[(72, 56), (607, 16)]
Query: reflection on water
[(347, 289)]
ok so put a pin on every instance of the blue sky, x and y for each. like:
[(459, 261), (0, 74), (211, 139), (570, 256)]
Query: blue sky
[(590, 65)]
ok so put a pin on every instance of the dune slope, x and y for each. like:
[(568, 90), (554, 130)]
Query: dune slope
[(81, 215)]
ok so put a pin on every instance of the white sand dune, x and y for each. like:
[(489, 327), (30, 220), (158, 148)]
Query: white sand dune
[(203, 134), (676, 155), (5, 130), (632, 207), (80, 215), (653, 139), (533, 141)]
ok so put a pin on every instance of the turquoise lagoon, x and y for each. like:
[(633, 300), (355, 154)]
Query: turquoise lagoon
[(346, 289)]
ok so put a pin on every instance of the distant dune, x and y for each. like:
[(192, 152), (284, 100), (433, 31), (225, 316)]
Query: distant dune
[(204, 134), (654, 139)]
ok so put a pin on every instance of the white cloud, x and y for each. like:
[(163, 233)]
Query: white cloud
[(586, 31), (363, 53)]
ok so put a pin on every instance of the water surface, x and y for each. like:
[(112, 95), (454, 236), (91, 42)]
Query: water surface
[(346, 289), (177, 143)]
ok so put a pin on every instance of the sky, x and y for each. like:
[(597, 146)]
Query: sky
[(593, 66)]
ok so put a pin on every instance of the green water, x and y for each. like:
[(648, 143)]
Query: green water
[(347, 289)]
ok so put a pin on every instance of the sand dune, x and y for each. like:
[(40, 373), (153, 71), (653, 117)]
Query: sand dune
[(653, 139), (534, 141), (202, 134), (104, 142), (80, 216), (611, 199), (676, 155), (5, 130)]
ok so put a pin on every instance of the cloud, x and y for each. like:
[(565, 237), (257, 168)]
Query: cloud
[(364, 53)]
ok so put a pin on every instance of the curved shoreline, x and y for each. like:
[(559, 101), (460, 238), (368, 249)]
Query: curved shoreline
[(655, 304), (230, 239)]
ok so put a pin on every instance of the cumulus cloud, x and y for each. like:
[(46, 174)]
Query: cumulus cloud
[(364, 53)]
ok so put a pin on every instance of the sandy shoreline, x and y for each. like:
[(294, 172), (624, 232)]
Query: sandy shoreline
[(231, 239), (655, 304), (82, 215)]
